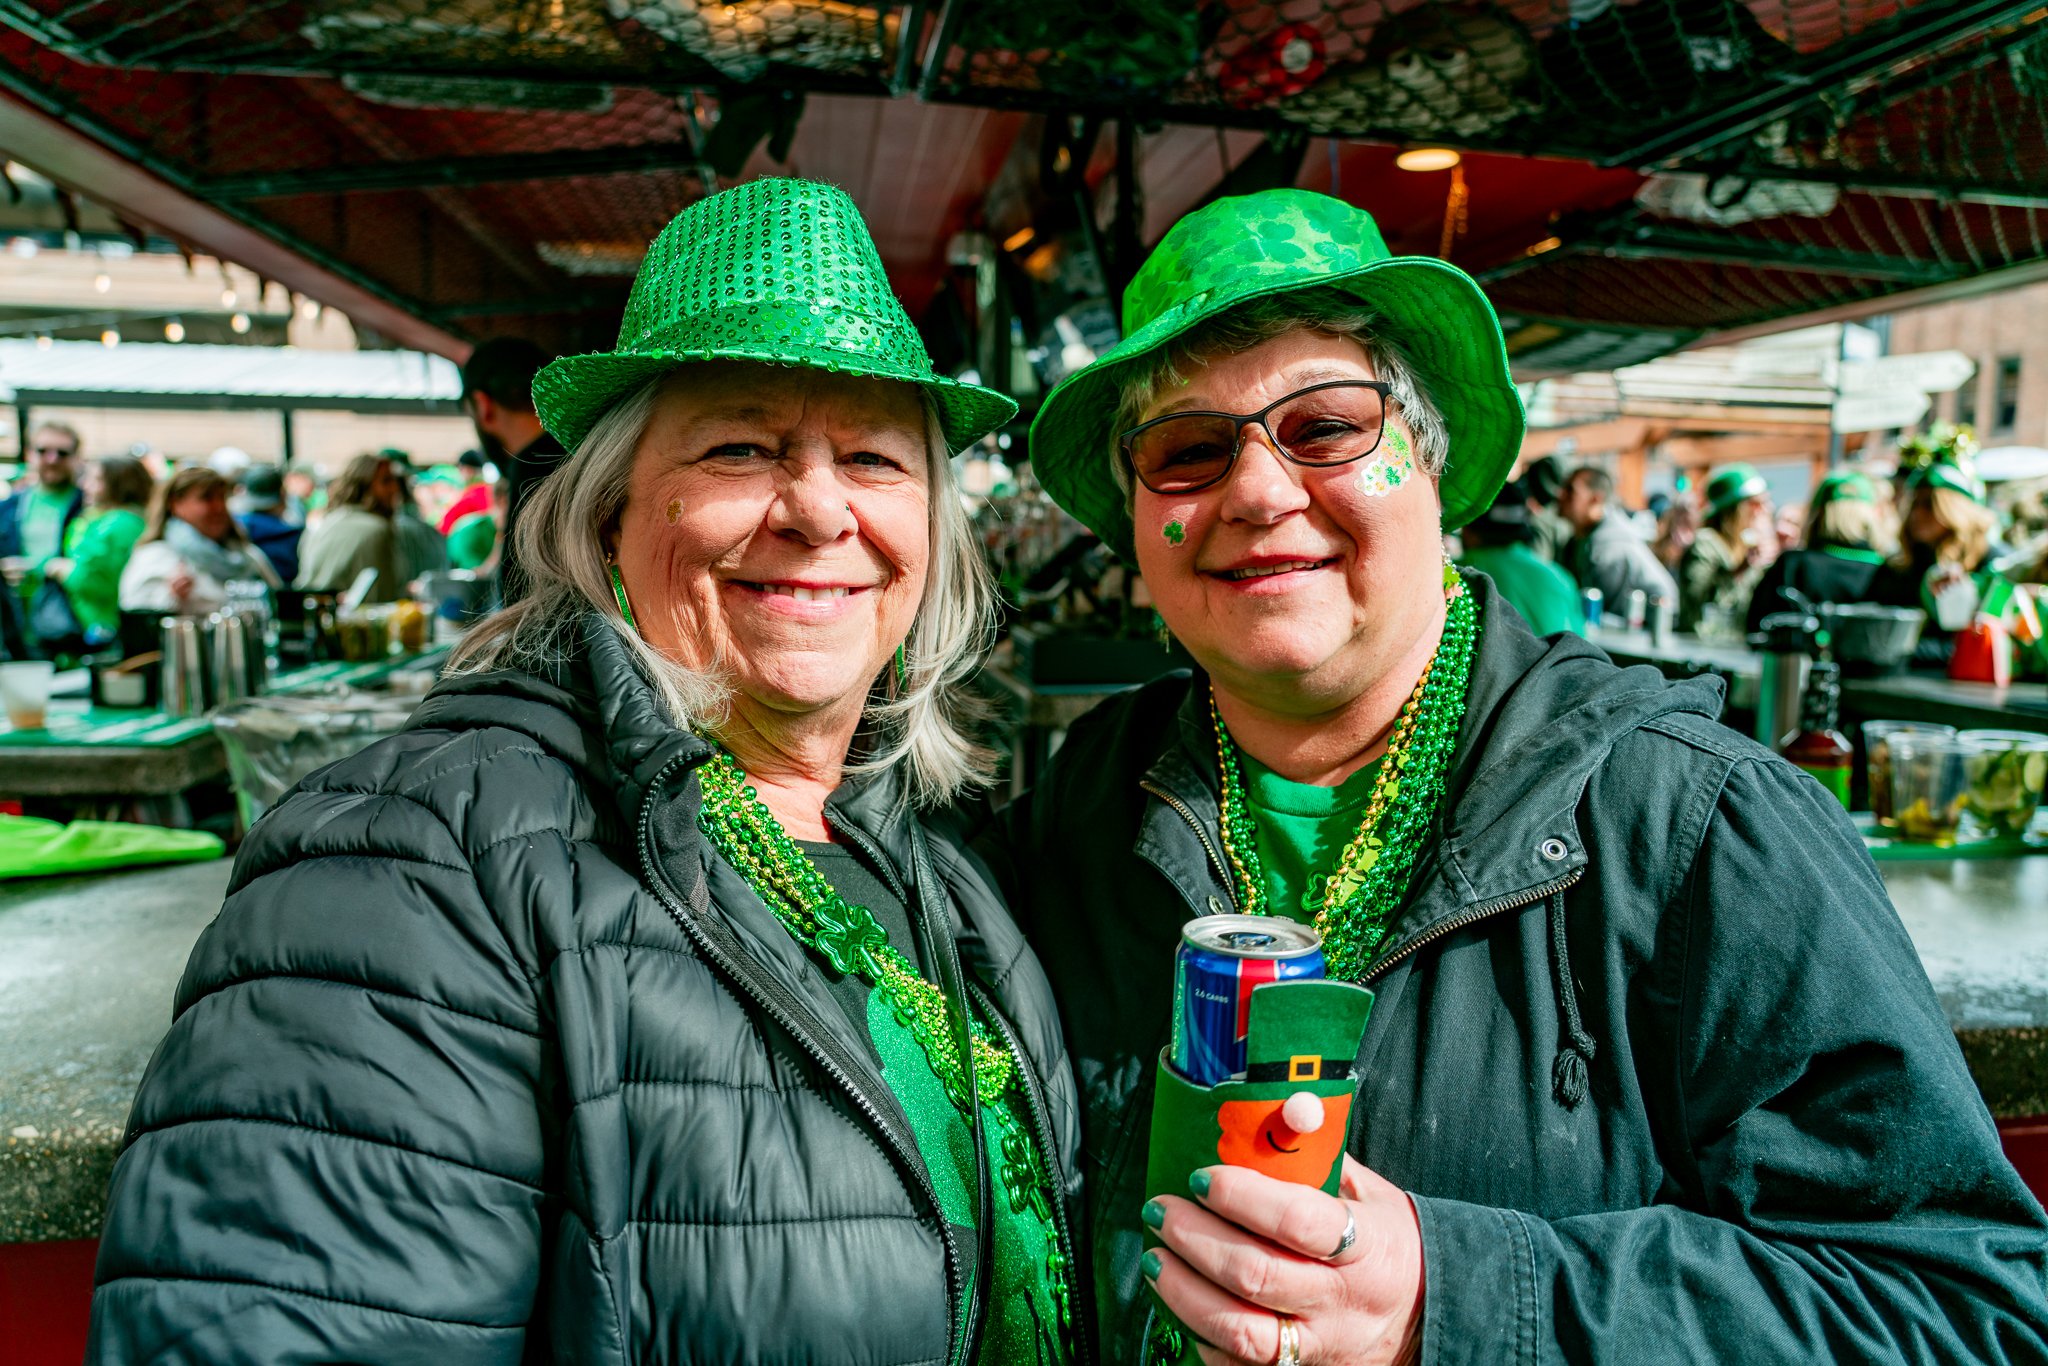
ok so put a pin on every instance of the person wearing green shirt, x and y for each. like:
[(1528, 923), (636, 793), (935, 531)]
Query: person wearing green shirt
[(97, 547), (1499, 545), (33, 524)]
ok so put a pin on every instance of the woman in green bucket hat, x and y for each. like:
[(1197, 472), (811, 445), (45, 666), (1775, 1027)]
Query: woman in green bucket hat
[(1734, 545), (1652, 1073), (642, 1002)]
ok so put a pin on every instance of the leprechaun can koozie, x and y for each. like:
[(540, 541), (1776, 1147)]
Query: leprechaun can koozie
[(1303, 1040)]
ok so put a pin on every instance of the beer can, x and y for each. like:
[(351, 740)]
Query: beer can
[(1590, 601), (1638, 608), (1221, 959), (1659, 622)]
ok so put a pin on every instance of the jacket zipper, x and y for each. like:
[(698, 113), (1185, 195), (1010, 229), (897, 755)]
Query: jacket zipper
[(1079, 1294), (1187, 814), (1479, 912), (775, 1001)]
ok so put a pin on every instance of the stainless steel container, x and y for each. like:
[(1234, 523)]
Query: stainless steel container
[(229, 633), (1787, 644), (1638, 609), (1657, 620), (184, 667)]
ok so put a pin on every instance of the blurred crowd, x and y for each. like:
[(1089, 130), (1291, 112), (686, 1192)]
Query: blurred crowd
[(85, 537), (1719, 559)]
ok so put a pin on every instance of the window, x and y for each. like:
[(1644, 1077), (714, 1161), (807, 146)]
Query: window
[(2005, 407), (1966, 401)]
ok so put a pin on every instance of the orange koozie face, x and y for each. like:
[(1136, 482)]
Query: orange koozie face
[(1255, 1136)]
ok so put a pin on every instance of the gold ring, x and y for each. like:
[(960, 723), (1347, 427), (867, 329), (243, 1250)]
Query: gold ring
[(1290, 1342)]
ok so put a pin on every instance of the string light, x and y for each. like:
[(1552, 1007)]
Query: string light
[(227, 298), (309, 309), (174, 331), (110, 339), (240, 322), (43, 343), (102, 282)]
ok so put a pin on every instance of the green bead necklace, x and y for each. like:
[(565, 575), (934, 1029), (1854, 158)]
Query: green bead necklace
[(745, 832), (1362, 891)]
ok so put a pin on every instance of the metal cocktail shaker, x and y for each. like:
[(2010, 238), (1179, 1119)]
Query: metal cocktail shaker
[(230, 639), (1787, 642), (184, 667)]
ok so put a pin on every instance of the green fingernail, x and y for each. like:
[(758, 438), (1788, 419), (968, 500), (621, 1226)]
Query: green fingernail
[(1199, 1182), (1154, 1214), (1150, 1264)]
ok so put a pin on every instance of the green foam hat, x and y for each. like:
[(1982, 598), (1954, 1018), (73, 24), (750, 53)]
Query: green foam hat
[(777, 271), (1275, 242), (1844, 486), (1731, 485), (1954, 475)]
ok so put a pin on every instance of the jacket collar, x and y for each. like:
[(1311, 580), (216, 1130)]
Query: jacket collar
[(1541, 716)]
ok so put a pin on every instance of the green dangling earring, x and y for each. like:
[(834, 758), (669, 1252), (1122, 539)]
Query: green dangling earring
[(902, 669), (619, 592)]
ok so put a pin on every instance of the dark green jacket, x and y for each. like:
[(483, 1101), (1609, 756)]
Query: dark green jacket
[(489, 1059), (1778, 1155)]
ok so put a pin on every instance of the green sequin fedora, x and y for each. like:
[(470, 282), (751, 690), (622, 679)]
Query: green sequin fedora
[(778, 271), (1270, 243)]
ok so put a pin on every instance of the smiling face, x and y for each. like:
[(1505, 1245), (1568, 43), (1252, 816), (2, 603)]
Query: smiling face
[(777, 526), (1299, 586)]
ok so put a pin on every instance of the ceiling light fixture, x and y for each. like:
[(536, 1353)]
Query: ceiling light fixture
[(1428, 159)]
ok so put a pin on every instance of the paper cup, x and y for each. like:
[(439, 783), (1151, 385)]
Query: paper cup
[(25, 692)]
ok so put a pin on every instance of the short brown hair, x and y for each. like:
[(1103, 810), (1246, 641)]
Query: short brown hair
[(62, 429), (189, 480), (124, 482), (351, 488)]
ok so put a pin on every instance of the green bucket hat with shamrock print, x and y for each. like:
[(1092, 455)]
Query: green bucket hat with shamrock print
[(777, 271), (1274, 242)]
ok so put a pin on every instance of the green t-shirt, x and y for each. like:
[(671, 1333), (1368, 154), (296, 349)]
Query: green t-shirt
[(1544, 594), (1020, 1326), (1302, 830), (42, 523), (99, 548)]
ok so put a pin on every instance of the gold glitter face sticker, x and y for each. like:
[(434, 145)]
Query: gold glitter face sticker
[(1174, 532), (675, 511)]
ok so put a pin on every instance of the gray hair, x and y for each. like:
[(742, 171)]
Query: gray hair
[(1322, 309), (927, 721)]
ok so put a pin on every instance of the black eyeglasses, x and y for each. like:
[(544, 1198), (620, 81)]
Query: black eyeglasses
[(1322, 425)]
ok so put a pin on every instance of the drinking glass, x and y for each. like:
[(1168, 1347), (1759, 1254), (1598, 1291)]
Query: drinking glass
[(2007, 770), (1877, 761), (1930, 781), (25, 692)]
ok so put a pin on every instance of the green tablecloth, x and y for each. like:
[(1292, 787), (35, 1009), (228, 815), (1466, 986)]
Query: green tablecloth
[(77, 723)]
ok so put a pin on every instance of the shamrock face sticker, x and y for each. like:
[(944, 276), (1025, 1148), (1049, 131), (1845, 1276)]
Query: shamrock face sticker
[(1389, 467), (1174, 532)]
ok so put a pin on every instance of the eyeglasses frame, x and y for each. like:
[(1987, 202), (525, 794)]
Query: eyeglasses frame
[(1243, 420)]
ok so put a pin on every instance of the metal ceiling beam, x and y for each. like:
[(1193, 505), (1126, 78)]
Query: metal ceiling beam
[(1907, 35), (453, 172), (1654, 242), (75, 150), (1882, 183)]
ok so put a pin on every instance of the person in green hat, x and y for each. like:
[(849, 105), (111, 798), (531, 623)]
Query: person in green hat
[(1731, 550), (1847, 538), (642, 1001), (1653, 1073)]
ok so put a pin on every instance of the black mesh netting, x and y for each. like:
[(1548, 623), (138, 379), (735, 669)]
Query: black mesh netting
[(496, 167)]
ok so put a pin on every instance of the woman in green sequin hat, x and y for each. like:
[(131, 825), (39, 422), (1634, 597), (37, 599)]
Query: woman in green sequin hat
[(1651, 1074), (643, 1001)]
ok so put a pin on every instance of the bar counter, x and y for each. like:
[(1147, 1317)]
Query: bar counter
[(88, 966)]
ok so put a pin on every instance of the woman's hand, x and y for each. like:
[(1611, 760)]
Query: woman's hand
[(1254, 1248), (181, 584), (58, 569)]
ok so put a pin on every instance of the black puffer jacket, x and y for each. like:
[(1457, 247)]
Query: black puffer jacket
[(488, 1058), (1650, 1047)]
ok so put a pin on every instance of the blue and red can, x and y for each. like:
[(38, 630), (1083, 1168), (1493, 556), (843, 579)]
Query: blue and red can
[(1221, 959)]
